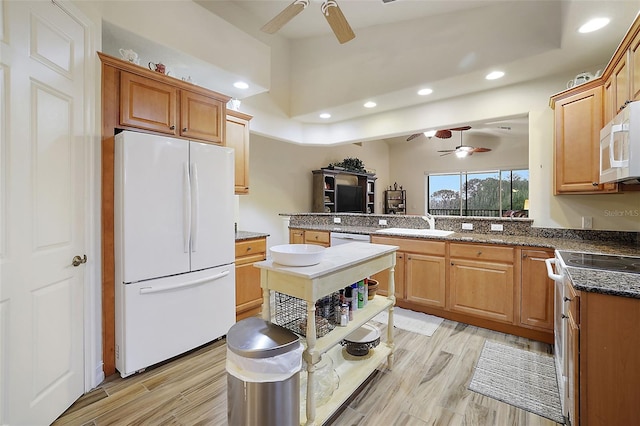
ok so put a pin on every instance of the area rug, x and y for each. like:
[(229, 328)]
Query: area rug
[(406, 319), (518, 377)]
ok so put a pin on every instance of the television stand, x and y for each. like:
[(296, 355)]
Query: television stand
[(326, 191)]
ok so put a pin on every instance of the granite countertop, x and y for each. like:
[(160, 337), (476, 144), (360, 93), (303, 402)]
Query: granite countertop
[(590, 280), (247, 235)]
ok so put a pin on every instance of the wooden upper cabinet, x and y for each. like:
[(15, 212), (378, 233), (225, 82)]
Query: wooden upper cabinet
[(201, 117), (578, 120), (634, 68), (148, 104), (620, 83), (237, 137)]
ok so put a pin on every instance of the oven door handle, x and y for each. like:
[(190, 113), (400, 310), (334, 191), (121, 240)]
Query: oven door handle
[(550, 272)]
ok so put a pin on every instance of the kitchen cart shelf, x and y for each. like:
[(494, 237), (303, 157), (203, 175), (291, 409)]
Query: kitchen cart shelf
[(341, 265), (352, 374), (360, 317)]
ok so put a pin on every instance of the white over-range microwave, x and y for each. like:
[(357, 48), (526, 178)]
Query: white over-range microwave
[(620, 147)]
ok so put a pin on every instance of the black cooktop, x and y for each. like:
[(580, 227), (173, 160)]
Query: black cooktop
[(601, 261)]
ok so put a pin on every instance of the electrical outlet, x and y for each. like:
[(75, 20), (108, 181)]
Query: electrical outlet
[(337, 220), (587, 222), (496, 227), (467, 226), (382, 222)]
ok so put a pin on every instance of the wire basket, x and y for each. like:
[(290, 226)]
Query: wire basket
[(291, 313)]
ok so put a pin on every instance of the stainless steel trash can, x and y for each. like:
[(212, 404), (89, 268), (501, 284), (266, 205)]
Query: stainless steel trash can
[(263, 374)]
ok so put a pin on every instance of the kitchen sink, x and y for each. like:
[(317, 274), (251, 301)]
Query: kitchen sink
[(410, 231)]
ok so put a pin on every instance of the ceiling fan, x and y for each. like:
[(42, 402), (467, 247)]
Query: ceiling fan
[(442, 134), (330, 10), (461, 150)]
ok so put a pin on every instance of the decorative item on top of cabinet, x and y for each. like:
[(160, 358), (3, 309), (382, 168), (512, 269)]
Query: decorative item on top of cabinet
[(395, 201), (578, 120), (536, 290), (237, 137), (248, 290)]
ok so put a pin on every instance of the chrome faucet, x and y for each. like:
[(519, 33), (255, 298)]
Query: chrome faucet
[(430, 220)]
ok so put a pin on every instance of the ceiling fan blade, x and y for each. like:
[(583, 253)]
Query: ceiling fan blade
[(447, 150), (337, 21), (413, 136), (481, 149), (446, 153), (443, 134), (460, 129), (284, 17)]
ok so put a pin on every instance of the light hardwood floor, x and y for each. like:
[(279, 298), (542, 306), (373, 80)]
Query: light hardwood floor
[(428, 386)]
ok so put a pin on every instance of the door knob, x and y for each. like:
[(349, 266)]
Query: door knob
[(77, 260)]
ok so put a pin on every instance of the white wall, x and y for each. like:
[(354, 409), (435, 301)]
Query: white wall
[(280, 180)]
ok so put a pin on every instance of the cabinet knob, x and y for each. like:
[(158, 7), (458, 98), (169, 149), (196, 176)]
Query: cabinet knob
[(452, 264), (563, 316), (595, 184), (172, 128), (479, 253), (248, 248), (184, 129), (566, 299), (524, 256)]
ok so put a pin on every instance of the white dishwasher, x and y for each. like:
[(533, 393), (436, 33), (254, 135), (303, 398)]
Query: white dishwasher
[(338, 238)]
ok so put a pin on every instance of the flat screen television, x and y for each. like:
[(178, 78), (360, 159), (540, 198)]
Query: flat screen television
[(349, 199)]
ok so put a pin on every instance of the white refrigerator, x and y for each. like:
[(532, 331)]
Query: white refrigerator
[(174, 247)]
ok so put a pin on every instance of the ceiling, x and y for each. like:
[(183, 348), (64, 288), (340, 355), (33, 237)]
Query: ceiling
[(446, 45)]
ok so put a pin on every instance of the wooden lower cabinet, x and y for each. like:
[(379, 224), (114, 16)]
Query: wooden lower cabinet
[(248, 290), (420, 273), (481, 281), (301, 236), (572, 391), (536, 290)]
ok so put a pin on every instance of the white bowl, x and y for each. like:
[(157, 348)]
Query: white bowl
[(297, 254)]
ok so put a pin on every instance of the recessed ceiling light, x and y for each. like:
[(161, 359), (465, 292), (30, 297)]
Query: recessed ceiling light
[(493, 75), (370, 104), (593, 25), (430, 133), (240, 85), (325, 115), (425, 92)]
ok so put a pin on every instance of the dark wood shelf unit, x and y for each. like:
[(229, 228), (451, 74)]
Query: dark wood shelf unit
[(325, 190)]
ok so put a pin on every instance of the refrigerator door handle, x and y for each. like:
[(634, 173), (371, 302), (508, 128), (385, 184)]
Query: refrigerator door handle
[(149, 290), (195, 199), (186, 228)]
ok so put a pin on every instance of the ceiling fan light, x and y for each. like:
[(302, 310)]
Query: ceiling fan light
[(593, 25), (430, 133), (461, 153)]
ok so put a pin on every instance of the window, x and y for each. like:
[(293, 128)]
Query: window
[(493, 193)]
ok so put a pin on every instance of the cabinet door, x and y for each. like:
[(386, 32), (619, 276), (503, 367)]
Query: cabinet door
[(296, 236), (620, 78), (425, 279), (609, 109), (148, 104), (634, 68), (398, 278), (248, 290), (201, 117), (537, 290), (237, 137), (578, 120), (483, 289)]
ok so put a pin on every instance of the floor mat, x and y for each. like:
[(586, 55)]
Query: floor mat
[(520, 378), (406, 319)]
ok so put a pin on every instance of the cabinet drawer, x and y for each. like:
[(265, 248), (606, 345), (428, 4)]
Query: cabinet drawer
[(480, 252), (574, 302), (251, 248), (316, 237), (413, 245)]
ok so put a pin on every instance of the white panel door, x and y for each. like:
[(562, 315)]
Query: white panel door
[(152, 206), (42, 200), (212, 180)]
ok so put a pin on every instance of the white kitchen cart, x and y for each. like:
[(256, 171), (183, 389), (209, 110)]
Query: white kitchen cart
[(341, 266)]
